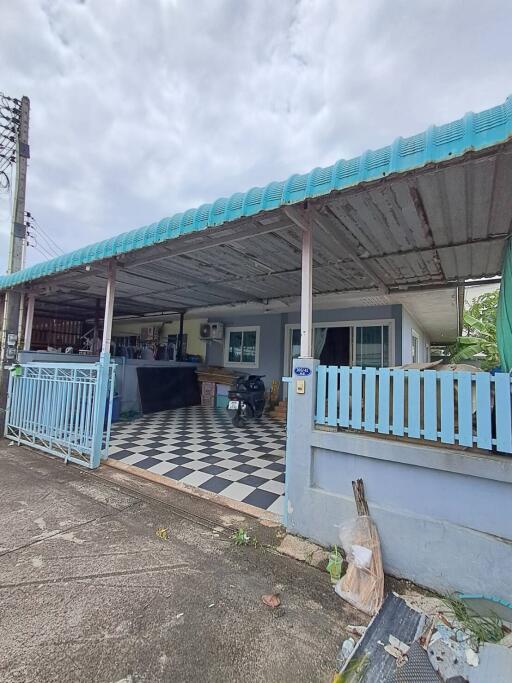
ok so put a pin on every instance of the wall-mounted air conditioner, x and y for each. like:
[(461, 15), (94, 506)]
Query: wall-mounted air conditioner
[(211, 331)]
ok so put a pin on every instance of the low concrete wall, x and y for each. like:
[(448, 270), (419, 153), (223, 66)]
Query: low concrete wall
[(444, 516)]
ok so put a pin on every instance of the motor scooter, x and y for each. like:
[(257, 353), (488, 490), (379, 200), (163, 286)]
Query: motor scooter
[(246, 399)]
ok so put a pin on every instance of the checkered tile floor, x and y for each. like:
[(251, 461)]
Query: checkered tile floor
[(200, 447)]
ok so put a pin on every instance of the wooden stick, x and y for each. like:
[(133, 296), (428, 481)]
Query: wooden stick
[(360, 498)]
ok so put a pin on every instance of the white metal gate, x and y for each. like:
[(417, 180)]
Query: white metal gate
[(62, 408)]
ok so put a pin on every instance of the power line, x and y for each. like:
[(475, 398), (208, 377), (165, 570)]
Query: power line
[(40, 243), (48, 237), (42, 239)]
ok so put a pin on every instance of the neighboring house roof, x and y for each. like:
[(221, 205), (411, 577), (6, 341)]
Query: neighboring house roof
[(438, 143)]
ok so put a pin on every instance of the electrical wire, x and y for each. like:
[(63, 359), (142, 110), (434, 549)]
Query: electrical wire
[(48, 237), (41, 250), (42, 240), (39, 244)]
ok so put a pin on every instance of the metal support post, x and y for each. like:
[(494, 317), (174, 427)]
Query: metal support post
[(109, 308), (306, 296), (29, 321), (179, 343), (103, 368)]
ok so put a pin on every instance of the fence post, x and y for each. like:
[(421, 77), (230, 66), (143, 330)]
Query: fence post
[(299, 428)]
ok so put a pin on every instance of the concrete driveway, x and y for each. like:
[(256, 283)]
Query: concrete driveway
[(89, 592)]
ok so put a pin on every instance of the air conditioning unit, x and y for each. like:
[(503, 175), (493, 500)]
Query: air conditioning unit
[(211, 331)]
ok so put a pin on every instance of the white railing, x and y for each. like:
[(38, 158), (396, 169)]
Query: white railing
[(464, 408)]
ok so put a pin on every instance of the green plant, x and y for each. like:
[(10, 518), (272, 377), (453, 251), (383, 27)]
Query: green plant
[(162, 533), (354, 670), (479, 333), (241, 537), (482, 629)]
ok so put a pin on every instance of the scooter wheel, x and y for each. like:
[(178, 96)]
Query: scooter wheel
[(238, 420)]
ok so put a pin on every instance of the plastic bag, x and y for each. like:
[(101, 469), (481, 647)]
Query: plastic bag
[(363, 583)]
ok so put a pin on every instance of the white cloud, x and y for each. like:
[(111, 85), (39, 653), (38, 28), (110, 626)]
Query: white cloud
[(141, 109)]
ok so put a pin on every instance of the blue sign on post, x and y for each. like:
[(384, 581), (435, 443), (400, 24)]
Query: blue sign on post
[(302, 372)]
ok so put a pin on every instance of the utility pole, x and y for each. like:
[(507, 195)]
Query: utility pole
[(18, 118)]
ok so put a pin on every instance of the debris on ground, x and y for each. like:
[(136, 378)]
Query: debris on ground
[(162, 533), (303, 550), (448, 643), (344, 653), (356, 630), (271, 600), (363, 583)]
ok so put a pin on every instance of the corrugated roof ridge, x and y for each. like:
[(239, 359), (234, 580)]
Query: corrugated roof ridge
[(471, 132)]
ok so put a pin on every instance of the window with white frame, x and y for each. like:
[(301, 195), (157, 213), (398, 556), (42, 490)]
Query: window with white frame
[(415, 347), (242, 347)]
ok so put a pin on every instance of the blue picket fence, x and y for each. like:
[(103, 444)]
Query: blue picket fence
[(62, 409), (464, 408)]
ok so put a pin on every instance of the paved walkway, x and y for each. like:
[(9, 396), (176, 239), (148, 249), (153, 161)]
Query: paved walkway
[(88, 592), (200, 447)]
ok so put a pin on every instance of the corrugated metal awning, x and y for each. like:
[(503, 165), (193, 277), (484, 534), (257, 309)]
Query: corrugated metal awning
[(428, 211)]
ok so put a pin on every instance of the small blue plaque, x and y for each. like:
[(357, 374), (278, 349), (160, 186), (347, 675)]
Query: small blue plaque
[(302, 372)]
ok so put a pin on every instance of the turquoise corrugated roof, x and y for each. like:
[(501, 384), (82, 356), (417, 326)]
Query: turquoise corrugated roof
[(437, 143)]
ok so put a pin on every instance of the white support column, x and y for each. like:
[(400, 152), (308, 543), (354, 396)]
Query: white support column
[(109, 307), (102, 384), (306, 297), (27, 340)]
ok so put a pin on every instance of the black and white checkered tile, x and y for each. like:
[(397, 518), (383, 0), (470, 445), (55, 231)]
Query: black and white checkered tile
[(200, 447)]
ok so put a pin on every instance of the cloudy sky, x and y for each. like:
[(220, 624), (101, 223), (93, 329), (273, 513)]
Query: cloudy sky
[(142, 108)]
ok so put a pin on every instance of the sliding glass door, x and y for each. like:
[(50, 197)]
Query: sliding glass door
[(365, 344), (372, 346)]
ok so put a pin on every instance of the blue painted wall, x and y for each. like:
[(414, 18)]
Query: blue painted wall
[(271, 344)]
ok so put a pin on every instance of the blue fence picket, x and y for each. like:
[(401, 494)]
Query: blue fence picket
[(430, 405), (398, 402), (357, 397), (369, 398), (413, 403), (447, 407), (483, 410), (464, 408), (343, 393), (321, 393), (503, 415), (384, 381), (332, 395), (344, 418)]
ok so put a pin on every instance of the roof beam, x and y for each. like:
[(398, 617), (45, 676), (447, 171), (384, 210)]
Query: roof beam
[(437, 247), (325, 222), (204, 240)]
